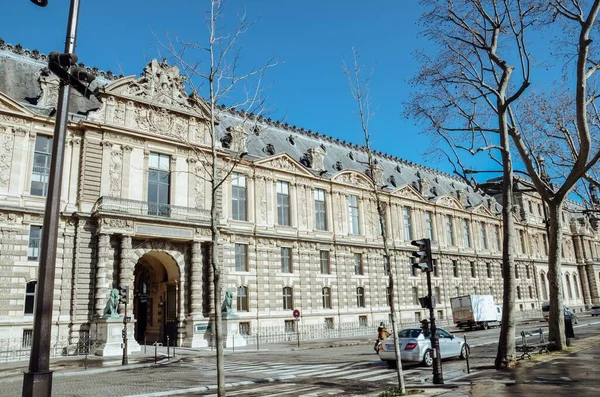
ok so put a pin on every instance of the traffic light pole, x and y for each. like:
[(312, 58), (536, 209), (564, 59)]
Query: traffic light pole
[(37, 380), (438, 375)]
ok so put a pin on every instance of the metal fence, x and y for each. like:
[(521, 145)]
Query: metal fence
[(305, 332), (17, 349)]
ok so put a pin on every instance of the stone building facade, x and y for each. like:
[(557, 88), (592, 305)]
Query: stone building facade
[(298, 221)]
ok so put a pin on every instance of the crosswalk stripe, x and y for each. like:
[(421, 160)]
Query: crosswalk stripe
[(295, 391), (317, 372), (381, 377), (342, 372), (366, 373)]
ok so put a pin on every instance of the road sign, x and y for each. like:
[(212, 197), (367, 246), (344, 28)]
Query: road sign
[(296, 313)]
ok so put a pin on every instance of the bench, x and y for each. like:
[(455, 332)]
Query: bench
[(528, 346)]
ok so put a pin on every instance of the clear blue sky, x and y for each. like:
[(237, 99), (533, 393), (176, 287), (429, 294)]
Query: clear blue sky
[(310, 37)]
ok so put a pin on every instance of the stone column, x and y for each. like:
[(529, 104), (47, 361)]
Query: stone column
[(126, 271), (250, 208), (126, 171), (102, 284), (585, 286), (196, 280), (293, 205)]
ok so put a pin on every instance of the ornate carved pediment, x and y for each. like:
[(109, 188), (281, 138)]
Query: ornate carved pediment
[(353, 178), (451, 202), (481, 209), (283, 162), (7, 103), (408, 192), (161, 86)]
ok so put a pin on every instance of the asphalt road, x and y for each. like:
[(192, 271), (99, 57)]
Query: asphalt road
[(310, 372)]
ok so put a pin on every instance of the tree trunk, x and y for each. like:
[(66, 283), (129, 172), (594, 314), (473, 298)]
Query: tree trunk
[(505, 357), (556, 324)]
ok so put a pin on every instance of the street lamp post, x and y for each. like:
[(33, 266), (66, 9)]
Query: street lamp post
[(37, 381)]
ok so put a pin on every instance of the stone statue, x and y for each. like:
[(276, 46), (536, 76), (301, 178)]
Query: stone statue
[(226, 306), (110, 310)]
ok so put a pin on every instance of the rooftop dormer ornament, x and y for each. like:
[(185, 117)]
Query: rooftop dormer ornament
[(317, 158), (239, 136)]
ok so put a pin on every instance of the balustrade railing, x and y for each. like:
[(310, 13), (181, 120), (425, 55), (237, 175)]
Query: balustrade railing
[(144, 208)]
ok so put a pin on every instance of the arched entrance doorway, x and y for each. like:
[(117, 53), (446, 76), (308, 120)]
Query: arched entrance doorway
[(155, 298)]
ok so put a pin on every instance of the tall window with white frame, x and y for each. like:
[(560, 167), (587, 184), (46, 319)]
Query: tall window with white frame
[(288, 298), (429, 224), (358, 265), (360, 297), (320, 210), (454, 268), (286, 260), (522, 242), (41, 165), (242, 299), (466, 233), (283, 203), (483, 235), (33, 248), (30, 292), (241, 258), (353, 214), (326, 294), (324, 259), (406, 214), (497, 235), (449, 231), (415, 295), (238, 197), (159, 181)]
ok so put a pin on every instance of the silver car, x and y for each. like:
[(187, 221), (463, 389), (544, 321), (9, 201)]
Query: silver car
[(595, 310), (416, 348)]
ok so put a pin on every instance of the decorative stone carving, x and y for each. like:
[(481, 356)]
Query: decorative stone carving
[(238, 138), (123, 138), (261, 187), (49, 84), (159, 84), (6, 151), (407, 192), (376, 172), (282, 163), (116, 172), (448, 202), (110, 310), (202, 231), (199, 188), (353, 179), (424, 187), (227, 302), (117, 223), (317, 158)]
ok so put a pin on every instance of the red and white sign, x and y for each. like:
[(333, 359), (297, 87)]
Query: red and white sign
[(296, 313)]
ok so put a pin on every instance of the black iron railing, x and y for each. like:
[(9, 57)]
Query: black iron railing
[(145, 208)]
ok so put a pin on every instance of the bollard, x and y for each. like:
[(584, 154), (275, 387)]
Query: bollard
[(155, 351), (468, 354), (168, 347), (232, 343), (85, 361)]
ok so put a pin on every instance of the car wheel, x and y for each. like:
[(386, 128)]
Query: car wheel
[(464, 351), (485, 326), (427, 359), (391, 364)]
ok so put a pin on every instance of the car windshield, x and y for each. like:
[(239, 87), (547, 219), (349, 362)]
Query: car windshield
[(409, 333)]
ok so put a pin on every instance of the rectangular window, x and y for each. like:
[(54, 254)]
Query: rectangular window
[(288, 298), (388, 296), (286, 260), (353, 214), (449, 233), (539, 209), (386, 268), (466, 233), (483, 235), (545, 243), (418, 317), (358, 265), (159, 181), (238, 197), (473, 271), (429, 224), (527, 272), (290, 325), (241, 258), (324, 258), (360, 297), (407, 223), (454, 268), (30, 292), (329, 322), (363, 321), (488, 269), (522, 241), (27, 339), (497, 235), (283, 203), (516, 271), (326, 295), (320, 211), (35, 237), (415, 295), (244, 328), (41, 165), (242, 299), (435, 268)]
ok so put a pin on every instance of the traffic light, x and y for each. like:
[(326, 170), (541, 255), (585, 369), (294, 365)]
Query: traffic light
[(124, 294), (63, 65), (422, 258), (424, 301)]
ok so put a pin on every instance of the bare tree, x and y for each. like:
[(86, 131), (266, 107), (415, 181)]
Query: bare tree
[(213, 70), (567, 127), (464, 95), (359, 87)]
